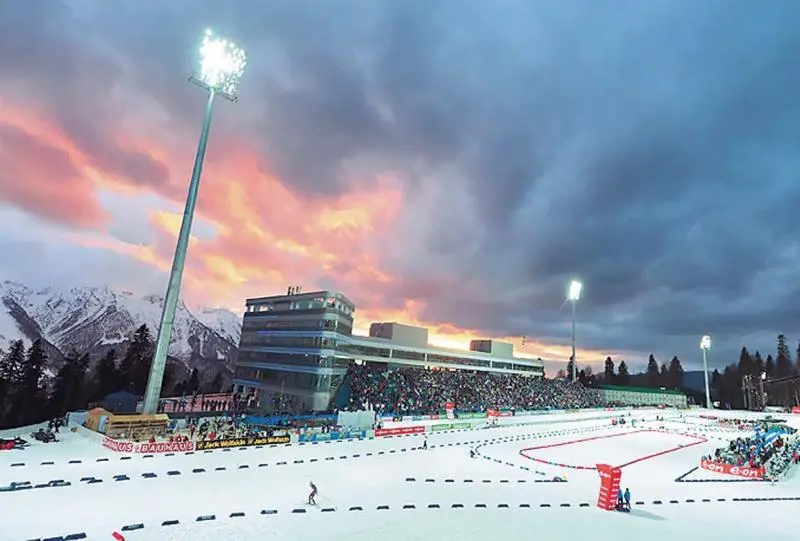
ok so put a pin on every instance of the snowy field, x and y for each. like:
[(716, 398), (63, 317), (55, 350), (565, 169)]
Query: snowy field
[(390, 489)]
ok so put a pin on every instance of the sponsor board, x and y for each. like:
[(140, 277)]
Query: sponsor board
[(471, 415), (399, 431), (796, 410), (332, 436), (727, 469), (242, 442), (147, 447)]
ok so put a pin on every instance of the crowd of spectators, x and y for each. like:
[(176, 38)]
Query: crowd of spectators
[(419, 391), (197, 402), (774, 447)]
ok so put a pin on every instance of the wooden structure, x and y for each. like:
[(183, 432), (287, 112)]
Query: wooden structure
[(128, 427)]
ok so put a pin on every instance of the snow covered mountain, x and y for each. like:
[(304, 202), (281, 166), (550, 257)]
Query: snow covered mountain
[(95, 319)]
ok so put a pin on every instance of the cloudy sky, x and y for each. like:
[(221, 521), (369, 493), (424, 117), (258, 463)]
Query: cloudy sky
[(447, 162)]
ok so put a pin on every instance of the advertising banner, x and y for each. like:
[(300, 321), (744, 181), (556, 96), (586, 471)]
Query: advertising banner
[(610, 478), (332, 436), (796, 409), (148, 448), (492, 413), (434, 417), (460, 426), (738, 471), (450, 410), (439, 428), (399, 431), (242, 442)]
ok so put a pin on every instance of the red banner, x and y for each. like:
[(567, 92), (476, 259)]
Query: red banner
[(796, 409), (147, 447), (493, 413), (399, 431), (739, 471), (610, 478)]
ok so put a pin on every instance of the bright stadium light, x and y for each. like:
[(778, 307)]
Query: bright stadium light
[(221, 68), (574, 295), (705, 345)]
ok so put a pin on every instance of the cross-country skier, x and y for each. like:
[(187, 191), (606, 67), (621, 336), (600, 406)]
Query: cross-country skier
[(620, 499), (627, 497), (311, 500), (425, 443)]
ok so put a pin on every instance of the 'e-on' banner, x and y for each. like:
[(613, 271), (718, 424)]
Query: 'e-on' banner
[(241, 442)]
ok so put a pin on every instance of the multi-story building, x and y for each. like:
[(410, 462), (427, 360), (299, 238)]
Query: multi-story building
[(295, 350)]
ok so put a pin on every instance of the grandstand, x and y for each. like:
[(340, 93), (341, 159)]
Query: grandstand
[(296, 348)]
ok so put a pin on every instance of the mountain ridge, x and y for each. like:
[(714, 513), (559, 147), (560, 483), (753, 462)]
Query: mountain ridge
[(95, 319)]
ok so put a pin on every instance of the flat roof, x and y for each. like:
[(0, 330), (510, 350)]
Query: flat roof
[(305, 295)]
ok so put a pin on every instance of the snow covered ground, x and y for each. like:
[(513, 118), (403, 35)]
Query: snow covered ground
[(390, 489)]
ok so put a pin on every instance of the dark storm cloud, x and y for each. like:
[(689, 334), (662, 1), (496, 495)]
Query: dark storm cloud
[(648, 147)]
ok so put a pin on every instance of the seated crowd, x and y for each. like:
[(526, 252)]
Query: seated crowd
[(775, 454), (419, 391)]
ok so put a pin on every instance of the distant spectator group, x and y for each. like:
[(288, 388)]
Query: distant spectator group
[(420, 391), (234, 403), (773, 446)]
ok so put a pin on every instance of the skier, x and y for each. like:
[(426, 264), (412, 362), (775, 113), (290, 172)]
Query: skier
[(620, 499), (627, 497), (472, 453), (311, 500), (425, 443)]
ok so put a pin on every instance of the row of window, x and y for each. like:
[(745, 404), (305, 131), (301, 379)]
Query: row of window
[(303, 304), (288, 380), (308, 361), (252, 339), (260, 324)]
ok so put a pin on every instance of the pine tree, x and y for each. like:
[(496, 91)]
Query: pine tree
[(135, 365), (783, 362), (193, 384), (570, 364), (608, 373), (746, 364), (797, 360), (69, 388), (769, 367), (663, 376), (216, 384), (675, 373), (758, 364), (11, 365), (12, 362), (652, 372), (623, 376), (107, 376), (31, 391)]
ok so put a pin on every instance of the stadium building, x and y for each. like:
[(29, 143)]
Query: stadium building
[(295, 350)]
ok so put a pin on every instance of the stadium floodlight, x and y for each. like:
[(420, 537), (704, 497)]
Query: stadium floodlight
[(574, 292), (574, 295), (221, 68), (705, 345)]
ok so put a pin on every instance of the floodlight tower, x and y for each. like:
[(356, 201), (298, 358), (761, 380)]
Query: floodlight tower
[(705, 345), (574, 295), (221, 68)]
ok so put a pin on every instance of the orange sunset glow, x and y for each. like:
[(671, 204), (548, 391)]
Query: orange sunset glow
[(263, 235)]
